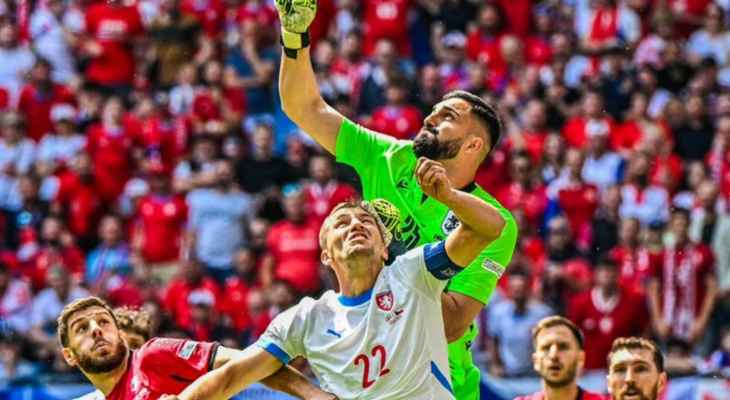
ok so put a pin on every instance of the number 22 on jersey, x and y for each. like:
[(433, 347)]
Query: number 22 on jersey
[(377, 351)]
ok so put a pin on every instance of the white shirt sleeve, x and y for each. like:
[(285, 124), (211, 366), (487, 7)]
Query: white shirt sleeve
[(284, 338)]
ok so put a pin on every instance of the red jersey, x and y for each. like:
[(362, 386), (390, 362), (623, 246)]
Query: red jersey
[(636, 266), (162, 219), (157, 138), (296, 251), (111, 153), (682, 278), (163, 366), (538, 50), (176, 298), (235, 303), (718, 162), (582, 395), (113, 27), (532, 201), (81, 203), (36, 107), (603, 321), (575, 132), (70, 257), (579, 204), (209, 14), (386, 19), (322, 199), (399, 122)]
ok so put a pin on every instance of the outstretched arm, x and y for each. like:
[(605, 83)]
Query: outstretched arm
[(481, 223), (286, 379), (300, 96), (251, 365)]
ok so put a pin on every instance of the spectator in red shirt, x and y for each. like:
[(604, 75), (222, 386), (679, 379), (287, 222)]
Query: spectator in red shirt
[(534, 131), (683, 291), (204, 324), (524, 192), (577, 199), (111, 145), (293, 246), (636, 263), (483, 43), (397, 118), (237, 288), (575, 130), (209, 13), (160, 214), (37, 98), (113, 28), (175, 300), (78, 199), (386, 19), (324, 192), (537, 45), (601, 313), (56, 249), (564, 271)]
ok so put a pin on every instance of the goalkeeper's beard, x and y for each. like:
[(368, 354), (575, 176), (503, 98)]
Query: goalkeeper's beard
[(427, 144)]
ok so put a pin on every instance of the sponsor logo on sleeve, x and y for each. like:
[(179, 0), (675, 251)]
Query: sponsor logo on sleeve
[(187, 349), (493, 267)]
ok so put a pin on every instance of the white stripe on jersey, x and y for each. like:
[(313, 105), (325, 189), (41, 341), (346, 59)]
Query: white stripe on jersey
[(388, 343)]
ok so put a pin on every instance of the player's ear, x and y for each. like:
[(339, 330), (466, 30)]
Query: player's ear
[(662, 381), (69, 356), (535, 362), (325, 258), (581, 359), (475, 144)]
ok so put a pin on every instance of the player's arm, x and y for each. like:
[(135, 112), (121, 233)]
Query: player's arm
[(286, 379), (481, 223), (300, 96), (249, 366)]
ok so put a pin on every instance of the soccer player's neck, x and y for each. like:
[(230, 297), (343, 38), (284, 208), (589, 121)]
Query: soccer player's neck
[(459, 171), (107, 381), (358, 276), (567, 392)]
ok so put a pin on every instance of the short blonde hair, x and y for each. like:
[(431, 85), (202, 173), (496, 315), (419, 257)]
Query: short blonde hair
[(77, 306), (363, 205)]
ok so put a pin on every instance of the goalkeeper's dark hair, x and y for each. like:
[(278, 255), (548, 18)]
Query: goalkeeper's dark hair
[(486, 113)]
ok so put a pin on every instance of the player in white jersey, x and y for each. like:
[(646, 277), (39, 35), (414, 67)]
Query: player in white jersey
[(382, 335)]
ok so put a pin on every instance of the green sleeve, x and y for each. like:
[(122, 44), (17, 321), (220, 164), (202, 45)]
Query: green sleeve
[(358, 147), (479, 278)]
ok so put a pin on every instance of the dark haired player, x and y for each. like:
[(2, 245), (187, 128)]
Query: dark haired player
[(558, 359), (456, 138)]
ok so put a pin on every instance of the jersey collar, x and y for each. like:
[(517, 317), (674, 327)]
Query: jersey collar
[(355, 300)]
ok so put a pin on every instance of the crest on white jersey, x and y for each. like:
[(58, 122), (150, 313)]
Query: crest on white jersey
[(384, 300), (450, 223)]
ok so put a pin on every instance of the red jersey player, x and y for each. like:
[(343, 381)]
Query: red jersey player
[(635, 370), (558, 359), (91, 338)]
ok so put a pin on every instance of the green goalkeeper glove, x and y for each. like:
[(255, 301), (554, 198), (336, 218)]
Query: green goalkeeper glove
[(295, 17)]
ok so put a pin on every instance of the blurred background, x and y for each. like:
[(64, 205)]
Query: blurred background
[(144, 158)]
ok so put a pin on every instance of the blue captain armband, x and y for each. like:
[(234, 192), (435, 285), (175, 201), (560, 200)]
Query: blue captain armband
[(438, 262)]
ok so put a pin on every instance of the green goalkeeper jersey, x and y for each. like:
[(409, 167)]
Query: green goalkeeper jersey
[(386, 168)]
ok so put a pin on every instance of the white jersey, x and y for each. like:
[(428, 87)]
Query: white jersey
[(388, 343)]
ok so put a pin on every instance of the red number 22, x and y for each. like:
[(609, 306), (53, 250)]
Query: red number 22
[(364, 359)]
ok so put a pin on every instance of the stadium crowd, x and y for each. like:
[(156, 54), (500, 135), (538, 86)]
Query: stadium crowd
[(145, 158)]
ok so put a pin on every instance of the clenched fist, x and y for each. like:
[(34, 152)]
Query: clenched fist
[(431, 176)]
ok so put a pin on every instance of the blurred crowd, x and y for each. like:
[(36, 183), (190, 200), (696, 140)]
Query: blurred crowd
[(144, 158)]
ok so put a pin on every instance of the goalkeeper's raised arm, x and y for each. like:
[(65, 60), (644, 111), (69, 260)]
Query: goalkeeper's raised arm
[(300, 96)]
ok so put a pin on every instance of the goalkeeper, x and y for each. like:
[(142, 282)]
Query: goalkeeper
[(459, 134)]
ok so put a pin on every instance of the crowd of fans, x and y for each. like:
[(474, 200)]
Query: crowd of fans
[(144, 158)]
